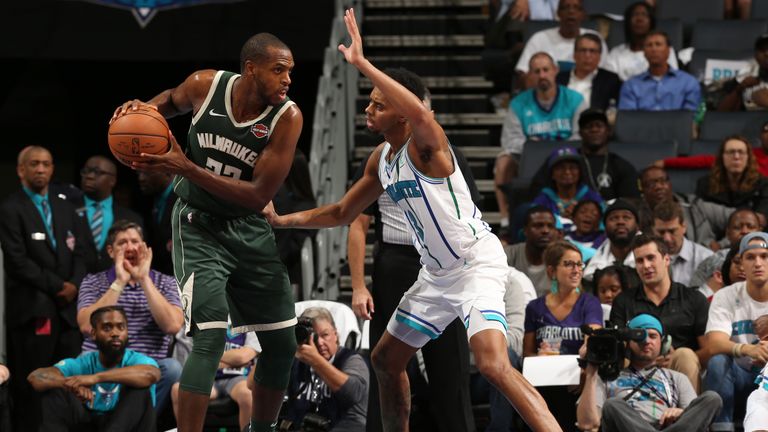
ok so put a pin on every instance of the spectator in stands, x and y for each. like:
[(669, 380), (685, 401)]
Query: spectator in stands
[(620, 220), (546, 112), (553, 322), (596, 85), (731, 340), (523, 10), (706, 161), (239, 353), (749, 91), (740, 223), (732, 269), (646, 396), (43, 243), (5, 400), (738, 9), (586, 229), (519, 293), (682, 311), (685, 255), (294, 195), (610, 282), (98, 178), (328, 381), (150, 298), (567, 186), (660, 87), (528, 257), (628, 59), (704, 220), (112, 389), (734, 180), (708, 276), (159, 186), (558, 42), (607, 172)]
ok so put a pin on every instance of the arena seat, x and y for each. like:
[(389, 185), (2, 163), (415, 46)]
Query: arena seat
[(656, 126), (721, 35), (672, 27), (599, 7), (701, 146), (689, 12), (532, 27), (759, 9), (643, 154), (717, 125), (684, 181)]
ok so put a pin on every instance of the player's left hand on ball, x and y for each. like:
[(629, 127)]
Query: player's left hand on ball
[(174, 161)]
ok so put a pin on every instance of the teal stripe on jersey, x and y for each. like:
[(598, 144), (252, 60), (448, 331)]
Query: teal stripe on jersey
[(416, 326)]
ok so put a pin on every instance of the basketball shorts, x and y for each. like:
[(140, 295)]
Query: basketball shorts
[(229, 267), (756, 417), (472, 290)]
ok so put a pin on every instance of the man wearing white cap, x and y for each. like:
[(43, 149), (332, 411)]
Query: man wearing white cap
[(738, 355)]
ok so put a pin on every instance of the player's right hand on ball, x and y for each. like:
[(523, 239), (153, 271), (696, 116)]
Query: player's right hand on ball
[(130, 105)]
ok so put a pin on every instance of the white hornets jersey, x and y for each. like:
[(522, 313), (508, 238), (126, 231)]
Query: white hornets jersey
[(443, 220)]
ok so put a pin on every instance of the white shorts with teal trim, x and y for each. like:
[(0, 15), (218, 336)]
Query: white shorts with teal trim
[(756, 417), (473, 292)]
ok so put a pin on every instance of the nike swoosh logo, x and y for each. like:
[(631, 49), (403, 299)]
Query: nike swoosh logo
[(215, 114)]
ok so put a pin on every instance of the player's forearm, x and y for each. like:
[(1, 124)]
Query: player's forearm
[(327, 216), (44, 379), (165, 104), (139, 376), (356, 251), (169, 318), (402, 100)]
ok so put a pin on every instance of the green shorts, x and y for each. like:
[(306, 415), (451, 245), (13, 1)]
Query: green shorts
[(229, 267)]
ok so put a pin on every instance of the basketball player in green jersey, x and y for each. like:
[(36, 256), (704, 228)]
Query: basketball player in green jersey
[(240, 148)]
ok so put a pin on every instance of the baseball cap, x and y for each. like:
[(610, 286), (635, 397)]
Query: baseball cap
[(620, 204), (646, 321), (707, 268), (591, 114), (745, 246), (562, 154)]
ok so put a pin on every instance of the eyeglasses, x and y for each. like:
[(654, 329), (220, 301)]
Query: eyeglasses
[(95, 171), (573, 265), (734, 152)]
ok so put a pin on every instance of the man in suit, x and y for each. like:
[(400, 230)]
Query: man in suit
[(598, 86), (43, 246), (98, 178), (159, 185)]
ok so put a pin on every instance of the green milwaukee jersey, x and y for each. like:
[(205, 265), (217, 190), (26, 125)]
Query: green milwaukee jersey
[(224, 146)]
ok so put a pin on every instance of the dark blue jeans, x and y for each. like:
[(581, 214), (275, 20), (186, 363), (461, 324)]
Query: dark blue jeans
[(732, 383)]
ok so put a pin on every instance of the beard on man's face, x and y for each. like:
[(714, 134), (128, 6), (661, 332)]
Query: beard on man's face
[(108, 348), (621, 239)]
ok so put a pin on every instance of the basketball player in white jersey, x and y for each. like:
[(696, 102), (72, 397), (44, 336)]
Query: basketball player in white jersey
[(464, 265)]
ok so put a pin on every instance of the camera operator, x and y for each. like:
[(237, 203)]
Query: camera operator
[(645, 396), (328, 388)]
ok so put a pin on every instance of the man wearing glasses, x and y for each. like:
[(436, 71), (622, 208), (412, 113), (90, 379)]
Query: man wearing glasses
[(597, 85), (98, 178), (682, 311)]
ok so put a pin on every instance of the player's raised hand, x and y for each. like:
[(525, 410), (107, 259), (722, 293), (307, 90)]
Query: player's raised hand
[(353, 53)]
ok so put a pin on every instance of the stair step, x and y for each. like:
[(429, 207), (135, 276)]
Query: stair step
[(473, 40), (480, 170), (458, 137), (464, 119), (474, 152), (424, 24), (440, 65), (458, 103), (432, 82)]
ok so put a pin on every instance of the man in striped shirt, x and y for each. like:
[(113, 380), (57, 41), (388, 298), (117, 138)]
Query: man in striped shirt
[(150, 299)]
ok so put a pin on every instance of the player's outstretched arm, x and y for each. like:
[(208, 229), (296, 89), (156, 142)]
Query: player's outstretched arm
[(427, 134), (187, 96), (358, 198)]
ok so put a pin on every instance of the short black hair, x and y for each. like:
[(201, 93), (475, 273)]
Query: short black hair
[(739, 211), (658, 33), (95, 315), (589, 36), (121, 226), (256, 48), (584, 202), (537, 209), (628, 17), (643, 239), (409, 80)]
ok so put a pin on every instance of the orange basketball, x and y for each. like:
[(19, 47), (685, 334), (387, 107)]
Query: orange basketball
[(135, 132)]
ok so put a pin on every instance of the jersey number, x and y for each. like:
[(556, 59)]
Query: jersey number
[(223, 170)]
